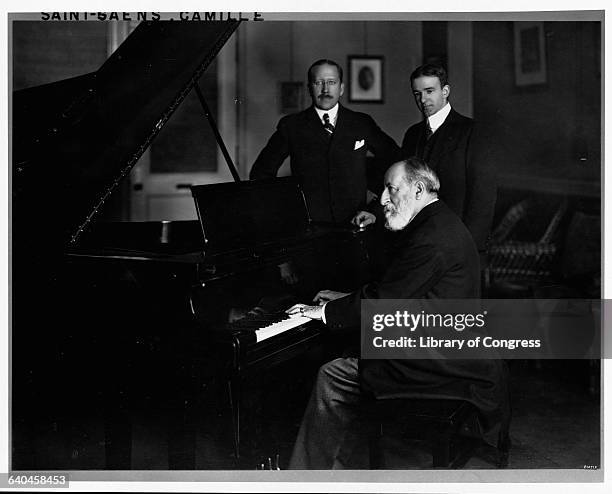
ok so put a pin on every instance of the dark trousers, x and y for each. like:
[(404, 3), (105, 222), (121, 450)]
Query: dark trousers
[(329, 430)]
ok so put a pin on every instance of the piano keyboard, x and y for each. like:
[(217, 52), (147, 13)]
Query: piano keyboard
[(280, 327), (267, 325)]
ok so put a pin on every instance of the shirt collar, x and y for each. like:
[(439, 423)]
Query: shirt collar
[(438, 118), (332, 112)]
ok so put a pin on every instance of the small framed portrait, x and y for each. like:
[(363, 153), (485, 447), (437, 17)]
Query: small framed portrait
[(366, 79), (529, 53)]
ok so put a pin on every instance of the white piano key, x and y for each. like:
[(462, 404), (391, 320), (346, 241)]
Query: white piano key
[(280, 327)]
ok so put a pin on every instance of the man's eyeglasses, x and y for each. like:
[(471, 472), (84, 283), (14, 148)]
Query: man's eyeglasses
[(321, 83)]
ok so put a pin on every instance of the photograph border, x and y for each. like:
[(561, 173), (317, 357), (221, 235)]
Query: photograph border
[(540, 475)]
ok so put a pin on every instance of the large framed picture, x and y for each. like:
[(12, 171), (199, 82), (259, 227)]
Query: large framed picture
[(529, 53), (366, 79)]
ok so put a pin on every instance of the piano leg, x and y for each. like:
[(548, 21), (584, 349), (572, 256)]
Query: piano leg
[(179, 384), (181, 408), (233, 388)]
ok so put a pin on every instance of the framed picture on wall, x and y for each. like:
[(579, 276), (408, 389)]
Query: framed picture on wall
[(529, 53), (366, 79)]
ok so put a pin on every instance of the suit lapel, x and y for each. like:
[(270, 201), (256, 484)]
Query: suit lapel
[(315, 126), (341, 120), (343, 124), (445, 140), (419, 140)]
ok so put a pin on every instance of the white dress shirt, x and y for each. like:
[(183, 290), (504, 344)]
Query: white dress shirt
[(438, 118), (332, 112)]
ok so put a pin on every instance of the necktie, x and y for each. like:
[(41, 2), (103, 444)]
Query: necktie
[(327, 125), (428, 130)]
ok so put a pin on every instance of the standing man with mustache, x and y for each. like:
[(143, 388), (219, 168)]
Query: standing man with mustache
[(456, 148), (433, 257), (327, 145)]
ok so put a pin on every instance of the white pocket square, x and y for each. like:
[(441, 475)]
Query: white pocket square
[(359, 144)]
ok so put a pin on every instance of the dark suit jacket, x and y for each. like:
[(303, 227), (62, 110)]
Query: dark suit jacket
[(331, 171), (433, 257), (460, 154)]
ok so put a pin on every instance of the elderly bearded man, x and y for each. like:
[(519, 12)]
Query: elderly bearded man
[(434, 256)]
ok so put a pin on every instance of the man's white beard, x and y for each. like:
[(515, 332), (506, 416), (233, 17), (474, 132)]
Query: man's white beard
[(397, 219)]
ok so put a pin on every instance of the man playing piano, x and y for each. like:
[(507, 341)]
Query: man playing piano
[(434, 256)]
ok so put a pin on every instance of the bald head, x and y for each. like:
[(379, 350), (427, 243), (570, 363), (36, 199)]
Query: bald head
[(410, 185)]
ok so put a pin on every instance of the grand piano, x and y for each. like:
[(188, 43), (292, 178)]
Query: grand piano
[(104, 311)]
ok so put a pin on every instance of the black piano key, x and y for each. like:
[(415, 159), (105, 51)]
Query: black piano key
[(259, 321)]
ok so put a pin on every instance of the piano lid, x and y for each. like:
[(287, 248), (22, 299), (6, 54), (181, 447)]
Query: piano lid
[(85, 142)]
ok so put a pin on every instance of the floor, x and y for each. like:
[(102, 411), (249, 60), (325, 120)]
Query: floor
[(555, 424)]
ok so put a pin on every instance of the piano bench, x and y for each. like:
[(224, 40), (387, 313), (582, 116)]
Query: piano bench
[(444, 424)]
